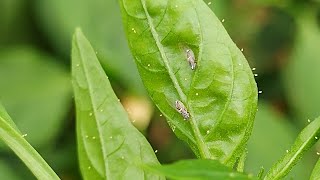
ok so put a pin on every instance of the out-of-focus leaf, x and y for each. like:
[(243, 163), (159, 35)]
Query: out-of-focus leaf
[(109, 146), (220, 94), (36, 92), (14, 139), (101, 21), (197, 170), (272, 135), (308, 137), (7, 171), (301, 74), (316, 172)]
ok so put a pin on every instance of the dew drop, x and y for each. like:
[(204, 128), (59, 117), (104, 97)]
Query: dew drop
[(318, 153), (255, 75), (209, 3), (185, 79), (90, 114), (197, 94), (241, 49), (316, 137), (24, 135), (148, 65), (309, 120), (87, 136), (118, 100), (155, 151), (253, 69), (259, 92), (160, 115), (93, 137), (208, 131), (287, 150), (222, 20)]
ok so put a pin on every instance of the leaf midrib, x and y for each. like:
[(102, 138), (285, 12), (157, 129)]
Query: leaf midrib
[(107, 172), (203, 149)]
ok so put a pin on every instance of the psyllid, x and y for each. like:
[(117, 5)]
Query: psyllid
[(191, 59), (182, 110)]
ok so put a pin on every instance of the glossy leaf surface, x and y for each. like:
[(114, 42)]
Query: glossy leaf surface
[(220, 94), (109, 146), (308, 137), (14, 139), (198, 170)]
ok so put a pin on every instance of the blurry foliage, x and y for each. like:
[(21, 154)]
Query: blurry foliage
[(279, 38)]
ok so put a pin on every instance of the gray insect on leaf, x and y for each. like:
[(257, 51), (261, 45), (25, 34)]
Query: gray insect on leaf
[(191, 59), (182, 110)]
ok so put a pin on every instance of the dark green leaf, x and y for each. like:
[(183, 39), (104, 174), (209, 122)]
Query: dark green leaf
[(316, 172), (197, 170), (15, 140), (36, 92), (109, 146), (220, 94), (304, 67), (308, 137), (101, 21)]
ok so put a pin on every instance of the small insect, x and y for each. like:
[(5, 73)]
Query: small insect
[(182, 110), (191, 59)]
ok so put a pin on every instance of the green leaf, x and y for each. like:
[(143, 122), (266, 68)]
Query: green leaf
[(109, 146), (100, 20), (36, 92), (265, 148), (197, 170), (15, 140), (308, 137), (304, 66), (316, 172), (220, 94)]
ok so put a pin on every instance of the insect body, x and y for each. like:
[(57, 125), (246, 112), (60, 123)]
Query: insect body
[(182, 110), (191, 59)]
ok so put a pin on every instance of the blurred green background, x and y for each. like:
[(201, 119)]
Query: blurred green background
[(280, 38)]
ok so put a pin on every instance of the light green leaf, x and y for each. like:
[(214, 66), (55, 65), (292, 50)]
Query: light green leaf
[(36, 92), (304, 67), (316, 172), (197, 170), (265, 148), (14, 139), (100, 20), (220, 94), (109, 146), (308, 137)]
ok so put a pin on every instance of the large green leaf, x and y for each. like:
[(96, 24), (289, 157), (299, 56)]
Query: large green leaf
[(109, 146), (302, 71), (308, 137), (198, 170), (101, 21), (36, 91), (220, 94), (16, 141), (316, 172)]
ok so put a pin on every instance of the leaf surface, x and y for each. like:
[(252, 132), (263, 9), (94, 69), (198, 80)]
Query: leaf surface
[(109, 146), (14, 139), (198, 170), (220, 94), (305, 140)]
